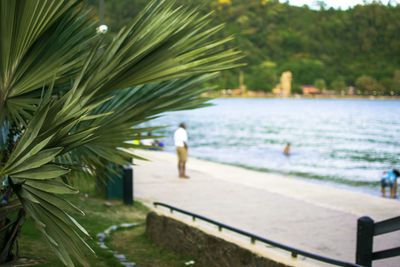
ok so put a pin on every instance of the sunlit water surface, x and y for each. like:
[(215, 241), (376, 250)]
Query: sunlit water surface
[(346, 143)]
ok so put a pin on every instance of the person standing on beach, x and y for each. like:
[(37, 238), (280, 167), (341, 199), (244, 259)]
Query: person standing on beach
[(389, 179), (181, 144)]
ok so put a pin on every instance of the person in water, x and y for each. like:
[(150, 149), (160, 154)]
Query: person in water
[(286, 151), (389, 179)]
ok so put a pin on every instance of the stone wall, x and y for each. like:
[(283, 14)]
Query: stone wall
[(210, 250)]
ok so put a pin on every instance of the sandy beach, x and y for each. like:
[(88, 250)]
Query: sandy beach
[(313, 217)]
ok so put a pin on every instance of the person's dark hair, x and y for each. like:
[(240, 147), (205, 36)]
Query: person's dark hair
[(182, 125), (396, 172)]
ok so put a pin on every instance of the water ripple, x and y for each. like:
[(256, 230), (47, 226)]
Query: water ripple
[(345, 141)]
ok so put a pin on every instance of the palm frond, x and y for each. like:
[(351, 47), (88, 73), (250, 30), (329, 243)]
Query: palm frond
[(42, 42), (68, 102), (34, 176), (163, 43)]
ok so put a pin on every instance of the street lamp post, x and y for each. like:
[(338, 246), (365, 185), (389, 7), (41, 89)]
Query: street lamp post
[(102, 28), (101, 12)]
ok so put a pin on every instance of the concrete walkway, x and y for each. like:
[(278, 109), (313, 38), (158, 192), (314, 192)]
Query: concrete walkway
[(308, 216)]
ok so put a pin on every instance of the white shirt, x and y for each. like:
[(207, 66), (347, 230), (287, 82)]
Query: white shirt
[(180, 137)]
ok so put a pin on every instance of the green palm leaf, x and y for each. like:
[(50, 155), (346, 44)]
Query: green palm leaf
[(40, 41), (69, 102)]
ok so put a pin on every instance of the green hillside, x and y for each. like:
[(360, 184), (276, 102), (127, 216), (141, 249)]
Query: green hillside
[(356, 47)]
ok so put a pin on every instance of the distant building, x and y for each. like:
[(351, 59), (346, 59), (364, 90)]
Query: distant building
[(350, 90), (310, 90), (239, 91), (327, 92), (256, 93), (277, 90)]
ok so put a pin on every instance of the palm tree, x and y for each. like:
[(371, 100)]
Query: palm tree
[(69, 101)]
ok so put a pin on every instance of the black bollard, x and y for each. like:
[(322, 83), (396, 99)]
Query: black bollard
[(128, 185), (365, 235)]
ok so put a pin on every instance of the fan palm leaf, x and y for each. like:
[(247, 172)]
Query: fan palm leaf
[(69, 101), (40, 42)]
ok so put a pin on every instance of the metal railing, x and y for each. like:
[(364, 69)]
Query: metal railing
[(253, 238), (366, 230)]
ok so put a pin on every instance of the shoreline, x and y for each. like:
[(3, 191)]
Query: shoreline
[(369, 188), (317, 218), (341, 142), (276, 183), (331, 97)]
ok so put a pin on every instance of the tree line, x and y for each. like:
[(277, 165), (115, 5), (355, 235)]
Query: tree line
[(335, 49)]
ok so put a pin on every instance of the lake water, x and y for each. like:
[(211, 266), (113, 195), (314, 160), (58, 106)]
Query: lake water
[(341, 142)]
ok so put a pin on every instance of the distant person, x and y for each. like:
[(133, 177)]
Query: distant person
[(286, 151), (160, 144), (148, 141), (181, 144), (389, 179)]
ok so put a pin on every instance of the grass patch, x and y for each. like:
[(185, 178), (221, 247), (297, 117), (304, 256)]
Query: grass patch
[(135, 243), (131, 242), (98, 218)]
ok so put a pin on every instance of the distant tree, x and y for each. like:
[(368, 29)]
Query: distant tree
[(228, 80), (261, 78), (311, 44), (368, 85), (321, 4), (320, 84), (297, 90), (305, 71), (364, 84), (339, 85), (387, 83), (396, 82), (379, 89)]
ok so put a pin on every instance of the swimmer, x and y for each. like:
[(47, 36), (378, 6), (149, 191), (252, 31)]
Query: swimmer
[(286, 151)]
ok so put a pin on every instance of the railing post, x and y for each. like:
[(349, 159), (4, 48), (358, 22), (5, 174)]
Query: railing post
[(365, 235), (127, 192)]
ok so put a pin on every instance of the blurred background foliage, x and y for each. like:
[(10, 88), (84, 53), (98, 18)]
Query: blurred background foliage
[(336, 46)]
